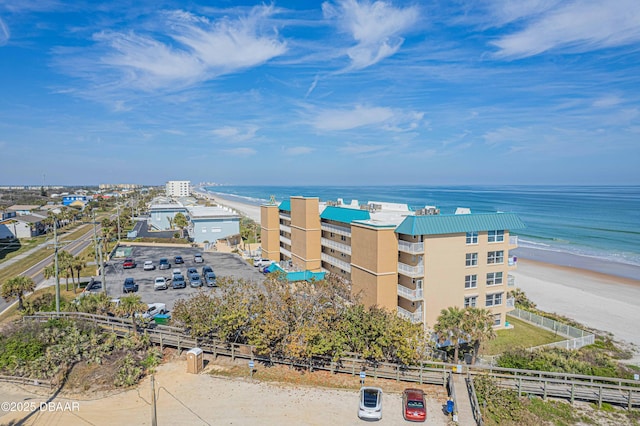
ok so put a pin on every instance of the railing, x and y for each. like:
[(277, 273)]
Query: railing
[(410, 294), (511, 281), (285, 240), (511, 302), (414, 317), (285, 252), (285, 216), (336, 262), (285, 228), (340, 230), (25, 381), (473, 398), (451, 390), (513, 240), (410, 247), (336, 245), (624, 392), (412, 271), (549, 324), (513, 260)]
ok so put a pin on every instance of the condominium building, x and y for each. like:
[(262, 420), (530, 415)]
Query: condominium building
[(414, 262), (178, 188)]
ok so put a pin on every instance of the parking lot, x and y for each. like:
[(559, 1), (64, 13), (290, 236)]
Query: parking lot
[(223, 264)]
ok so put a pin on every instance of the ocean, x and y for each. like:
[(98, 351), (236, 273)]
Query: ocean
[(575, 225)]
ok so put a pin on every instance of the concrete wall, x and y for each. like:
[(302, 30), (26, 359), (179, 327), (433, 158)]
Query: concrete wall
[(270, 232), (305, 233)]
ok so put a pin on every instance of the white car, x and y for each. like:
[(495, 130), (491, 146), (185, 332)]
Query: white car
[(370, 403), (262, 262), (154, 309), (198, 258), (160, 283), (148, 265)]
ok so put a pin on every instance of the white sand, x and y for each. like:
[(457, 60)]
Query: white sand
[(252, 212), (600, 301)]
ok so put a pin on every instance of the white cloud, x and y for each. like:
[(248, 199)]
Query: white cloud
[(340, 119), (185, 49), (607, 101), (236, 134), (375, 26), (577, 26), (351, 148), (4, 33), (298, 150), (241, 151), (504, 135)]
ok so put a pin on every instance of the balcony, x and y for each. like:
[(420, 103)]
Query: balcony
[(412, 248), (285, 216), (511, 281), (513, 240), (340, 230), (285, 240), (414, 317), (336, 245), (511, 302), (285, 228), (411, 271), (336, 262), (513, 260), (409, 294), (285, 252)]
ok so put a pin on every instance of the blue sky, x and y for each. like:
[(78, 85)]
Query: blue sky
[(335, 92)]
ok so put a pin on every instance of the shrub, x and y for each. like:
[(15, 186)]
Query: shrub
[(129, 372)]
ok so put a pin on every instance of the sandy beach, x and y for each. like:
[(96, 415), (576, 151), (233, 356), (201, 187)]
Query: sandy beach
[(599, 294)]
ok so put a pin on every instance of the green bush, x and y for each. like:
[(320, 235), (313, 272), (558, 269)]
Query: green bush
[(129, 372)]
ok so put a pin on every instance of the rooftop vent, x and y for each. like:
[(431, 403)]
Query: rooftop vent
[(428, 211)]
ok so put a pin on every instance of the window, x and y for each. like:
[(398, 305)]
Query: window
[(497, 319), (471, 259), (470, 301), (494, 278), (494, 299), (343, 238), (471, 281), (496, 236), (332, 234), (472, 237), (495, 257)]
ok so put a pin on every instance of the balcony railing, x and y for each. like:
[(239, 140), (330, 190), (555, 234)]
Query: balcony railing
[(285, 240), (513, 240), (285, 228), (340, 230), (336, 245), (408, 247), (285, 216), (511, 302), (411, 271), (513, 260), (285, 252), (511, 281), (409, 294), (414, 317), (336, 262)]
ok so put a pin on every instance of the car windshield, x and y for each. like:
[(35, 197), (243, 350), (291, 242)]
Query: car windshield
[(415, 404), (370, 398)]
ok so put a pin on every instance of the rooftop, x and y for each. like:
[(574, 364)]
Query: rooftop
[(458, 223)]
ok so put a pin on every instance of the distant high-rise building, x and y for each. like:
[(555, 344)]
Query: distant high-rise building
[(178, 188)]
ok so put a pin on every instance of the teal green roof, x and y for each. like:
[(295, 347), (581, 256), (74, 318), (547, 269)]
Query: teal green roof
[(457, 223), (285, 206), (341, 214)]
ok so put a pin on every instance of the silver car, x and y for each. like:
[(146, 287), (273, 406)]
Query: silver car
[(370, 403)]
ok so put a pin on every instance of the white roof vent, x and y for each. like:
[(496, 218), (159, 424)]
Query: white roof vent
[(463, 210)]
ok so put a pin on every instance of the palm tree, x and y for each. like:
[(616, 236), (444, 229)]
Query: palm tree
[(449, 326), (181, 222), (131, 305), (478, 326), (17, 287), (77, 265), (65, 265)]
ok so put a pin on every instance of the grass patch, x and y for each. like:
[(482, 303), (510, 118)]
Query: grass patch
[(12, 313), (560, 413), (522, 334)]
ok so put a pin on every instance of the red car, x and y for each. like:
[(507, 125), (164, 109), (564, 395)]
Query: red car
[(413, 405), (129, 263)]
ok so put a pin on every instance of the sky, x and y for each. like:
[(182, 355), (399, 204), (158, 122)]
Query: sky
[(320, 93)]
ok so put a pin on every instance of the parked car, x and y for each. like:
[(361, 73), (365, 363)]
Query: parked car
[(191, 270), (414, 408), (154, 309), (148, 265), (178, 259), (160, 283), (370, 403), (129, 286), (194, 280), (197, 258), (178, 281), (210, 279), (176, 271), (205, 270), (262, 262), (129, 263), (164, 263)]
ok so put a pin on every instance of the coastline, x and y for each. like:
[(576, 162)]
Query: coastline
[(597, 293)]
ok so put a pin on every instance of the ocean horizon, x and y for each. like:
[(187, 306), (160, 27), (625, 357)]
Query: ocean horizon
[(598, 224)]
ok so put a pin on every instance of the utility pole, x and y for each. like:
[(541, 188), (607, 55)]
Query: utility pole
[(95, 237), (102, 277), (154, 416), (55, 263), (118, 210)]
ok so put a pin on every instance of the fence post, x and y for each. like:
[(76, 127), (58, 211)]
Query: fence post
[(519, 386), (600, 398), (629, 405), (573, 385), (544, 395)]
